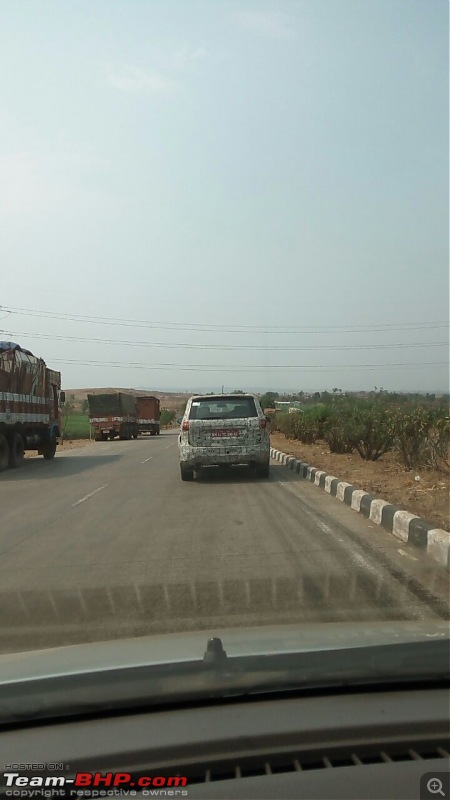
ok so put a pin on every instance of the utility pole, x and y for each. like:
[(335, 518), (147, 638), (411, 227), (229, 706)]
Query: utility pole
[(222, 388)]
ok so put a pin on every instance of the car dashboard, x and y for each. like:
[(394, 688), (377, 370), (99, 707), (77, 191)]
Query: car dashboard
[(330, 744)]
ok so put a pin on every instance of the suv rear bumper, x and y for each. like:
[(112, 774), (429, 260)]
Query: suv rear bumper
[(194, 457)]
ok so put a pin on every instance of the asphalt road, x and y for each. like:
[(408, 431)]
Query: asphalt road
[(107, 541)]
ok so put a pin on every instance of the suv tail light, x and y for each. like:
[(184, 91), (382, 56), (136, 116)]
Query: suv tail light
[(185, 426), (263, 423)]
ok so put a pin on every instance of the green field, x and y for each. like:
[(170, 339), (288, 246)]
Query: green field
[(77, 427)]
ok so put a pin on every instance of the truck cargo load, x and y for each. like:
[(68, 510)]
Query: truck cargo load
[(112, 415), (148, 409), (30, 398)]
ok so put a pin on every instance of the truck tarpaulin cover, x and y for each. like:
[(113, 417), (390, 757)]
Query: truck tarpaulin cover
[(148, 407), (111, 405), (20, 371)]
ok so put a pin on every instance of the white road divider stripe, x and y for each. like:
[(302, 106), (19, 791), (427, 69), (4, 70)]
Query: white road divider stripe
[(87, 496), (147, 459)]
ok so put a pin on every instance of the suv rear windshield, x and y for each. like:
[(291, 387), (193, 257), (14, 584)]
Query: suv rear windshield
[(223, 408)]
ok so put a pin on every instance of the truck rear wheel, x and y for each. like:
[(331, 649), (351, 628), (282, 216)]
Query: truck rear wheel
[(48, 449), (16, 451), (4, 452), (124, 432)]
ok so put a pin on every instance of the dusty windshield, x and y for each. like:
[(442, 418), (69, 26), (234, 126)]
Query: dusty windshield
[(224, 389)]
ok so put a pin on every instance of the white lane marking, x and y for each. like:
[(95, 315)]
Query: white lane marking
[(408, 555), (147, 459), (87, 496), (326, 529)]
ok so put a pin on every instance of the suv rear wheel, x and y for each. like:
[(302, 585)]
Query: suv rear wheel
[(263, 470), (186, 473)]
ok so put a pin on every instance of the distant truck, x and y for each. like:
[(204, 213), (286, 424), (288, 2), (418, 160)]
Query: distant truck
[(30, 400), (148, 409), (113, 415)]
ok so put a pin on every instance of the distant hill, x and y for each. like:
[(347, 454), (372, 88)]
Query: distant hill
[(170, 400)]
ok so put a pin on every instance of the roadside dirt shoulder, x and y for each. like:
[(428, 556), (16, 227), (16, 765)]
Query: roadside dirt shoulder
[(70, 444), (424, 492)]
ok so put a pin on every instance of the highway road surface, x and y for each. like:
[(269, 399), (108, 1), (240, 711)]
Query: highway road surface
[(106, 541)]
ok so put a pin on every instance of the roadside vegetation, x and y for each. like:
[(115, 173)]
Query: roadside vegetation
[(418, 433), (167, 417), (74, 420), (76, 426), (393, 446)]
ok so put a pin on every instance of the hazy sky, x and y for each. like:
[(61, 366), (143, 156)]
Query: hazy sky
[(214, 165)]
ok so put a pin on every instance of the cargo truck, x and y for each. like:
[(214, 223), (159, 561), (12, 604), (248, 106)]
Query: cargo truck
[(148, 408), (30, 400), (113, 415)]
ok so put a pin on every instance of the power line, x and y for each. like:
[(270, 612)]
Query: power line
[(209, 327), (252, 367), (180, 345)]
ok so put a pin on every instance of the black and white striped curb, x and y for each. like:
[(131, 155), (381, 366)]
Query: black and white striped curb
[(405, 526)]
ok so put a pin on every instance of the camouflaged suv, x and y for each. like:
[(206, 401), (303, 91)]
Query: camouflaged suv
[(223, 430)]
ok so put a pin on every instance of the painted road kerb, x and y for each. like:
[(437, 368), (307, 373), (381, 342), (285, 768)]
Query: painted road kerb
[(407, 527)]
